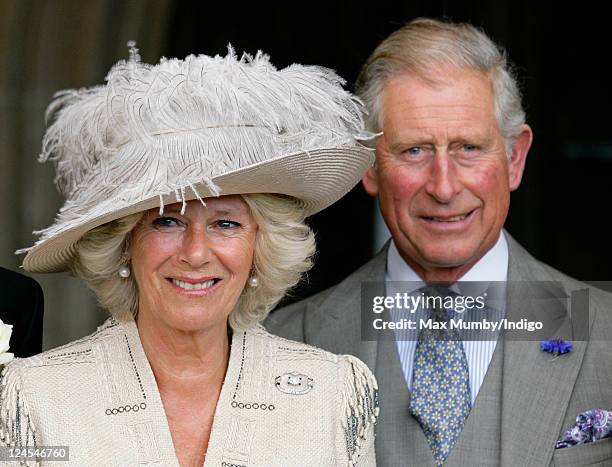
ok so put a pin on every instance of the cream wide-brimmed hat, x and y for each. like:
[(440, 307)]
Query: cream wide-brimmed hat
[(189, 129)]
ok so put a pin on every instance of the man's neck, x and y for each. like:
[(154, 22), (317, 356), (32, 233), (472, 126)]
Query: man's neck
[(448, 275), (491, 266)]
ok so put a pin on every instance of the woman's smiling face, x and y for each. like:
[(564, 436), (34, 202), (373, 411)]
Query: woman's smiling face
[(191, 268)]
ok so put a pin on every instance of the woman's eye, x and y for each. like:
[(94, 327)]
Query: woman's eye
[(165, 222), (226, 224)]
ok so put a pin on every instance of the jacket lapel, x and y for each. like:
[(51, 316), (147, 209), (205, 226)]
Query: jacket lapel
[(536, 389), (335, 324), (536, 386), (148, 433), (399, 439)]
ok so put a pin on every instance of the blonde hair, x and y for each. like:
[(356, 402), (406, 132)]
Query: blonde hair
[(421, 47), (284, 247)]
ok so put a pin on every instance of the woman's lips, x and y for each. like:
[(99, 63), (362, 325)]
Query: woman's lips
[(194, 286)]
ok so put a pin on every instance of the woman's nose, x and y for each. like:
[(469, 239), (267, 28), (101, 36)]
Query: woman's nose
[(196, 249)]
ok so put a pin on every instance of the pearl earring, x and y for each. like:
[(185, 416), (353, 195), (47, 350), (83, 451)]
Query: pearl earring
[(253, 281), (124, 272)]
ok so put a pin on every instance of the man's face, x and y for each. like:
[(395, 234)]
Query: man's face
[(441, 173)]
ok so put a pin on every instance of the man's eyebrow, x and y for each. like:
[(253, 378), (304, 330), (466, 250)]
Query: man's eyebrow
[(477, 138), (407, 143)]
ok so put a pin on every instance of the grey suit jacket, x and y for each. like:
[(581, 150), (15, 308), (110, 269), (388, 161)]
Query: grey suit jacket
[(527, 400)]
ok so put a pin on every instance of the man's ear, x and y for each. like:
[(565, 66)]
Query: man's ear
[(516, 165), (370, 181)]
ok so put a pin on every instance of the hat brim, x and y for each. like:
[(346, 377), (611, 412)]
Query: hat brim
[(317, 178)]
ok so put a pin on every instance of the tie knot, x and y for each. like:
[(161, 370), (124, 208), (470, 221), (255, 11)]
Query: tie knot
[(439, 301), (438, 290)]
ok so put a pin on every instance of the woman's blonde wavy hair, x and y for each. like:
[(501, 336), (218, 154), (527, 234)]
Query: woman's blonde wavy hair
[(284, 247)]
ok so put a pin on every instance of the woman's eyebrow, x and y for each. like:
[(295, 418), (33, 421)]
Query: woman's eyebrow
[(223, 211), (169, 210)]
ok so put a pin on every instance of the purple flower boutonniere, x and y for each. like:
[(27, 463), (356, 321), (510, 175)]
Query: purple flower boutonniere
[(556, 346)]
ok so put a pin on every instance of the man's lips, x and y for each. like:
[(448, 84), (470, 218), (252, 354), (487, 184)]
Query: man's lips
[(449, 221), (449, 218)]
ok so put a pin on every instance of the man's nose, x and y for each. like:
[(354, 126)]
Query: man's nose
[(196, 247), (443, 183)]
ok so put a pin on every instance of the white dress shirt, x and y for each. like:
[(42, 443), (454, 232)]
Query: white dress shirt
[(493, 266)]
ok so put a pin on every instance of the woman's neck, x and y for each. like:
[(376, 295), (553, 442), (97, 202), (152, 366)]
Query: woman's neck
[(185, 363), (189, 368)]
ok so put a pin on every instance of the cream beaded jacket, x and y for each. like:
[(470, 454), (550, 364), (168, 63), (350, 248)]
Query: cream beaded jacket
[(283, 403)]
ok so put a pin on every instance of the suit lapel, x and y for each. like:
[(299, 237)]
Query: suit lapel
[(536, 389), (536, 386), (480, 439), (399, 439), (335, 324)]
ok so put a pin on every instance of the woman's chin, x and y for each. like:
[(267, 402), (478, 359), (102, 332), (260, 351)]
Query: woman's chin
[(196, 323), (186, 319)]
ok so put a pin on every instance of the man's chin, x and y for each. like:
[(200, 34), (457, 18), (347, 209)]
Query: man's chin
[(440, 253), (451, 258)]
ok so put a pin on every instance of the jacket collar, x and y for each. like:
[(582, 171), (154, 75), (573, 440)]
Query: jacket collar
[(335, 324)]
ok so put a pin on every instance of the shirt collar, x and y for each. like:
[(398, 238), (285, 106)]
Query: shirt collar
[(493, 266)]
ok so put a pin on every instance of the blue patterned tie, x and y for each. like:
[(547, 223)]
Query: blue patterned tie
[(440, 399)]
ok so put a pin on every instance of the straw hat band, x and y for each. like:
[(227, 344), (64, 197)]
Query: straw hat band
[(326, 176), (173, 162)]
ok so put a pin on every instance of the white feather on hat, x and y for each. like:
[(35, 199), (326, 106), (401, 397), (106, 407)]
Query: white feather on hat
[(193, 128)]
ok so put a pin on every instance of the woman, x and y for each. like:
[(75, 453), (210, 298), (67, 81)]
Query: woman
[(186, 186)]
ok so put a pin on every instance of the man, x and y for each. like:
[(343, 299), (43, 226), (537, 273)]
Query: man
[(22, 306), (453, 146)]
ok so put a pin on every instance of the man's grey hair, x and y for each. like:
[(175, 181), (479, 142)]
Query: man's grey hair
[(422, 47)]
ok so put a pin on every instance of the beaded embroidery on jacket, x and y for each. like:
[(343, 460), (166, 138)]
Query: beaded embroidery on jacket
[(340, 403)]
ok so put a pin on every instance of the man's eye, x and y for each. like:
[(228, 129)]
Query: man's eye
[(470, 147), (227, 224), (165, 222), (414, 151)]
